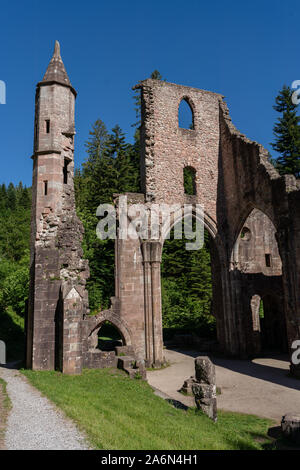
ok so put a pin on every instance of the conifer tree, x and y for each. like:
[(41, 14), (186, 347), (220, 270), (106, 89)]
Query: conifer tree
[(287, 134)]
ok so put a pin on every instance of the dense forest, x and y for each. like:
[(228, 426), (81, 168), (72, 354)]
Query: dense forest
[(112, 166), (15, 207)]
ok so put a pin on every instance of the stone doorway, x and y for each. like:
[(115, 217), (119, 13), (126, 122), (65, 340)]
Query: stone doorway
[(273, 326)]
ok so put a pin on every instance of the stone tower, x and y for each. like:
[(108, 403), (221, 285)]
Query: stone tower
[(58, 299)]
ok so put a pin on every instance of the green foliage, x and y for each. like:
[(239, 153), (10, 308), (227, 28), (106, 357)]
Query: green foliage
[(15, 287), (189, 180), (187, 286), (15, 204), (143, 420), (261, 309), (287, 134)]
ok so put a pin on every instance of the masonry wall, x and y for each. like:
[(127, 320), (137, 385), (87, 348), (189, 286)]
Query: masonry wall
[(233, 177)]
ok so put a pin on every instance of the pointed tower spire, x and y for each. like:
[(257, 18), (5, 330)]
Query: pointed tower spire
[(56, 71)]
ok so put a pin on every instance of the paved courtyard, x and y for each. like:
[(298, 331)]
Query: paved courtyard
[(260, 386)]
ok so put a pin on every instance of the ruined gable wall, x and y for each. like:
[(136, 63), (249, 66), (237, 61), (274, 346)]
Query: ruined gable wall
[(168, 148)]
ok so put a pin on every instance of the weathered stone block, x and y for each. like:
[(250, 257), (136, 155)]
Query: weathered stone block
[(290, 426), (205, 370), (204, 387)]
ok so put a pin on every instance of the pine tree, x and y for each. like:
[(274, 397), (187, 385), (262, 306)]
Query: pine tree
[(91, 186), (287, 134), (96, 143)]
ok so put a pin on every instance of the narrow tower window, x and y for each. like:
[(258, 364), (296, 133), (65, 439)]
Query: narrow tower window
[(268, 260), (45, 188), (65, 171), (189, 180), (185, 115), (47, 126)]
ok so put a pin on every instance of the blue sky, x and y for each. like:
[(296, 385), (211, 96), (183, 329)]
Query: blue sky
[(244, 50)]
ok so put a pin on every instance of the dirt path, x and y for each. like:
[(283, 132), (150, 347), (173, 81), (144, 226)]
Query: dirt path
[(261, 386), (34, 423)]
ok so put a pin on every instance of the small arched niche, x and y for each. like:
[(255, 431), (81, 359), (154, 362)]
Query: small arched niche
[(256, 249), (185, 115), (109, 337), (189, 180)]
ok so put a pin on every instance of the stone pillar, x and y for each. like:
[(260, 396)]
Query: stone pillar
[(158, 358), (153, 313), (148, 305), (289, 246), (72, 342)]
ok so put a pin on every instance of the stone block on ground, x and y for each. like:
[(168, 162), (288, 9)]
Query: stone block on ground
[(125, 362), (187, 386), (290, 426)]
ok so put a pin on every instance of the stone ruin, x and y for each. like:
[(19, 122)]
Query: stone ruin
[(251, 213), (290, 427), (203, 387)]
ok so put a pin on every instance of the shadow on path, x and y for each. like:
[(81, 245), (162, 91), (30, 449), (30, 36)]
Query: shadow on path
[(274, 369)]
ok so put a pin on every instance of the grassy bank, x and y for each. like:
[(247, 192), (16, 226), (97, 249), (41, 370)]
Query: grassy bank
[(116, 412), (5, 406)]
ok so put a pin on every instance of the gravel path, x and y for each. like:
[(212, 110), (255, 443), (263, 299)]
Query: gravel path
[(34, 423)]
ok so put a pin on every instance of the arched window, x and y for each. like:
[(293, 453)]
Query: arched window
[(185, 115), (109, 337), (189, 180), (245, 234)]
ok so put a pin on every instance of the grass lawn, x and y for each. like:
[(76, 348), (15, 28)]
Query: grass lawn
[(5, 406), (116, 412)]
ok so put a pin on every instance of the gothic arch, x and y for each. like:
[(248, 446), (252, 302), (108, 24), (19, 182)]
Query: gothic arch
[(115, 320), (245, 214), (209, 223), (192, 107)]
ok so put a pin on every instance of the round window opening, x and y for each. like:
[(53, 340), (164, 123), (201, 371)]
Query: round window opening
[(245, 234)]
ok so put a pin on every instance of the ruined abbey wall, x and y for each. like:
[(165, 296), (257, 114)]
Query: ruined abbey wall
[(250, 211)]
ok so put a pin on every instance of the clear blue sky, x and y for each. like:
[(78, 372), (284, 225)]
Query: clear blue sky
[(244, 50)]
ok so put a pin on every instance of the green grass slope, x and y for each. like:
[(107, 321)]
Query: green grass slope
[(116, 412)]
